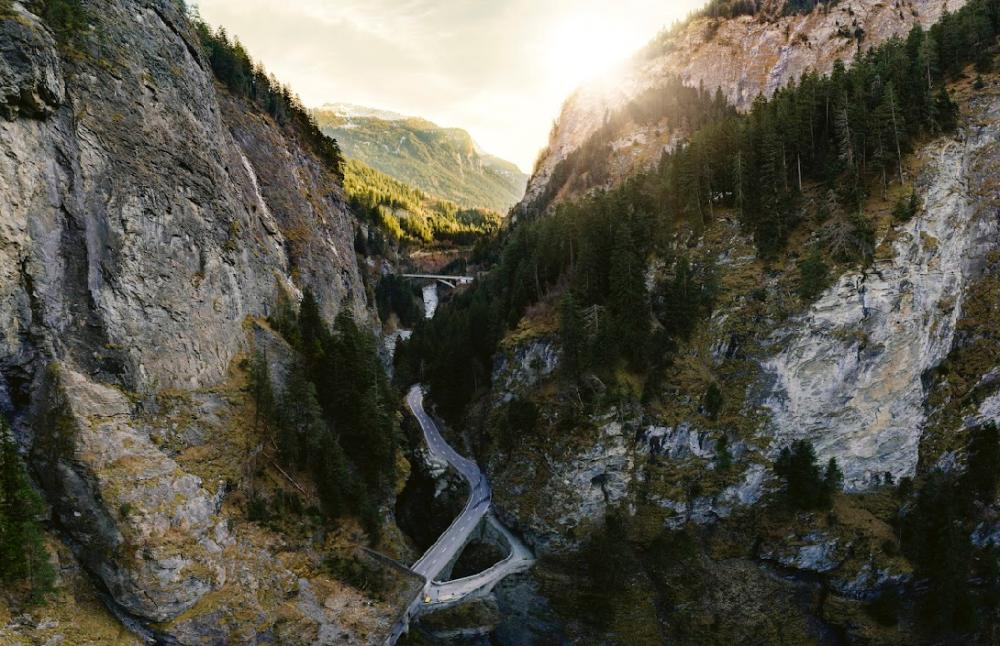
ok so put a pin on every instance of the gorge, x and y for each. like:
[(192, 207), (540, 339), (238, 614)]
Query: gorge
[(729, 370)]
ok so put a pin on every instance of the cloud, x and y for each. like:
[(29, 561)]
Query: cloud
[(475, 64)]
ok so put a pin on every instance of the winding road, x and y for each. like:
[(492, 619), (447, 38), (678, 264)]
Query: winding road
[(450, 544)]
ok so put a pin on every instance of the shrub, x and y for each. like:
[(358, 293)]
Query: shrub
[(66, 18), (358, 572), (906, 208), (522, 416), (805, 486), (713, 401), (885, 608), (814, 276), (981, 476), (723, 460)]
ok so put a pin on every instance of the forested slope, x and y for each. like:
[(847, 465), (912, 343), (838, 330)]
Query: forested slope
[(751, 359), (443, 162)]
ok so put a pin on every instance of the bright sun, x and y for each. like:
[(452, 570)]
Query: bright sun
[(583, 48)]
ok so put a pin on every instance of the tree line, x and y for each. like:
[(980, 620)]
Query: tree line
[(595, 250), (957, 582), (408, 214), (685, 109), (24, 561), (247, 79), (336, 417), (828, 138)]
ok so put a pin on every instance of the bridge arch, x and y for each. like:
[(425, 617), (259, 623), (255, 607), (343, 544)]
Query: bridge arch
[(476, 517)]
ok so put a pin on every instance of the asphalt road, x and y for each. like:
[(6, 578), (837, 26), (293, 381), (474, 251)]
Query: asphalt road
[(453, 540)]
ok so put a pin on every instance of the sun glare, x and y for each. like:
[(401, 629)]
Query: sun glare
[(584, 47)]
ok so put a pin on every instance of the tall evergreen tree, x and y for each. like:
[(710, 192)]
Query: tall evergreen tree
[(573, 337), (23, 557), (629, 299)]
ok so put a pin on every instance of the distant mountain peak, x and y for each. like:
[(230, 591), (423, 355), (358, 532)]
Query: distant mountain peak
[(354, 111), (443, 162)]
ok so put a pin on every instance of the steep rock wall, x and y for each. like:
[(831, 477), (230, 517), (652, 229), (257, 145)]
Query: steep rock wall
[(744, 57), (849, 375), (135, 231), (145, 215)]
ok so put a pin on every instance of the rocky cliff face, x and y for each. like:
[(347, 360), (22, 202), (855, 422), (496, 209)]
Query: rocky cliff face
[(145, 216), (744, 57), (136, 229), (849, 374)]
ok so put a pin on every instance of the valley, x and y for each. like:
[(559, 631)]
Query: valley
[(724, 368)]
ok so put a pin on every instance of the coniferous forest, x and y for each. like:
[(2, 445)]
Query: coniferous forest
[(24, 561), (336, 416), (729, 372), (839, 136), (805, 161), (234, 68)]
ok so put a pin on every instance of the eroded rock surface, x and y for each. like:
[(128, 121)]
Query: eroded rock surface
[(151, 530), (744, 57), (848, 376), (31, 78), (147, 217)]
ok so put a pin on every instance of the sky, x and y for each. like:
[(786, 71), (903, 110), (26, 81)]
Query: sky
[(500, 69)]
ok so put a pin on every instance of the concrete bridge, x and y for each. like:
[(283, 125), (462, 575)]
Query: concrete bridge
[(475, 521), (448, 281)]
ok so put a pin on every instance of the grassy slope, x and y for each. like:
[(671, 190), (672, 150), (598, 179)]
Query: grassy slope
[(408, 212), (441, 161)]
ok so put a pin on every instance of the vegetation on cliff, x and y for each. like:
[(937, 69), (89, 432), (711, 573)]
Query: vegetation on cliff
[(24, 560), (337, 418), (833, 136), (66, 18), (408, 214), (735, 8), (936, 527), (245, 78), (619, 272), (806, 486), (444, 163)]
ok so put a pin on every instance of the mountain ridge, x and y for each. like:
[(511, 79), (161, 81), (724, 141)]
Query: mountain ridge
[(443, 162), (744, 56)]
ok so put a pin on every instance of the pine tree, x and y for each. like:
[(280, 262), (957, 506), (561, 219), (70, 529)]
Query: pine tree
[(713, 400), (261, 389), (833, 478), (573, 338), (361, 402), (23, 556), (891, 129), (814, 275), (945, 111), (628, 297), (852, 193), (981, 475), (806, 488), (300, 419), (312, 331), (683, 301), (332, 477), (906, 208), (723, 460)]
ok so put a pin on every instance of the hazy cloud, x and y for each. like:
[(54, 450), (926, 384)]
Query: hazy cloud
[(498, 68)]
